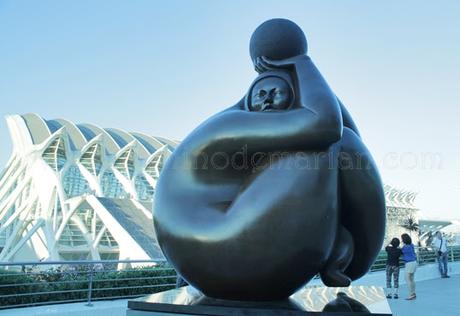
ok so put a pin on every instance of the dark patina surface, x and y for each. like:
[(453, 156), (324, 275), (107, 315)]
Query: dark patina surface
[(268, 193)]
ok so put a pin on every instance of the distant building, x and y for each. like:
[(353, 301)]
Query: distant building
[(452, 231), (78, 191), (429, 227), (402, 214)]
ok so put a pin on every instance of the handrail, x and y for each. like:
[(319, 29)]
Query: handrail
[(29, 283), (77, 262)]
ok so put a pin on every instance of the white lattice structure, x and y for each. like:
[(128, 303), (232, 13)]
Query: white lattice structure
[(78, 191), (400, 207)]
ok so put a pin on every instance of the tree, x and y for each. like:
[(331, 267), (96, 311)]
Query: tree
[(411, 225)]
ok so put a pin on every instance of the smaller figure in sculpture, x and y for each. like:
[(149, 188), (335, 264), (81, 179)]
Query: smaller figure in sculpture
[(271, 93)]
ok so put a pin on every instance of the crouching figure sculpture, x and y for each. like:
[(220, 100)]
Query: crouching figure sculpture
[(268, 193)]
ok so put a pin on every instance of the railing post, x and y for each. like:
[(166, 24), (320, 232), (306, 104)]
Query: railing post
[(90, 284)]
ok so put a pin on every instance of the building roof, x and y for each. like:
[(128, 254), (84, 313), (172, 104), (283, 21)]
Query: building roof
[(90, 188), (80, 134), (399, 198)]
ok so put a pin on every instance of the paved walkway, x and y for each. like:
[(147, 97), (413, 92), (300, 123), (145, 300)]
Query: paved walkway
[(99, 308), (436, 297)]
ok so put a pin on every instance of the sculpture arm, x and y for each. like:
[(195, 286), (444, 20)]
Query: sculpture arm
[(297, 129), (347, 119), (312, 91)]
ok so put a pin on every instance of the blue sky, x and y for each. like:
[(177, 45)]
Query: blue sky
[(162, 67)]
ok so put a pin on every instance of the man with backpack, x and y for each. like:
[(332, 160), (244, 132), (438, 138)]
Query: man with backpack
[(442, 254)]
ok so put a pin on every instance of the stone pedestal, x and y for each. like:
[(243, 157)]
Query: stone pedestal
[(354, 300)]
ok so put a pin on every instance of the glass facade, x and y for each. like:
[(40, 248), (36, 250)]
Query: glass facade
[(92, 160), (72, 236), (111, 187), (57, 213), (6, 232), (155, 166), (74, 183), (125, 163), (110, 256), (75, 255), (94, 225), (143, 188), (55, 155)]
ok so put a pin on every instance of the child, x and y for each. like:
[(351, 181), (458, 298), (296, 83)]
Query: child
[(393, 254), (271, 93)]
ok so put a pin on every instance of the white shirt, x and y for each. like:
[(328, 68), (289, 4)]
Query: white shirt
[(440, 246)]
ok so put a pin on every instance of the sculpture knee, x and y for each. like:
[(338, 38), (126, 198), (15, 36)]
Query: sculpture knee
[(362, 203)]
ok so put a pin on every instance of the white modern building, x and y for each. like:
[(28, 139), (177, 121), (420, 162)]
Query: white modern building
[(449, 228), (78, 191), (402, 213)]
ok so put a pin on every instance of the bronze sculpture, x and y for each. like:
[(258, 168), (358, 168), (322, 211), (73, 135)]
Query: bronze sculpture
[(268, 193)]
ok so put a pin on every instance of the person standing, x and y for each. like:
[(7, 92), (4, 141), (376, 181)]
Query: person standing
[(410, 264), (440, 246), (392, 268)]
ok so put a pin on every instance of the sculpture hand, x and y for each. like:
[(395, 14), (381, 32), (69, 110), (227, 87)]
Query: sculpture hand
[(263, 63), (259, 67)]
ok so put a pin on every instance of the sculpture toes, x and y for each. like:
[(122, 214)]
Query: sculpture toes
[(335, 278), (333, 273)]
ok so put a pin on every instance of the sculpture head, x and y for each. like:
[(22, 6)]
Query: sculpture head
[(271, 91), (270, 94), (277, 39)]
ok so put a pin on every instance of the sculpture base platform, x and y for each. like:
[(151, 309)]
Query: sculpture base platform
[(355, 300)]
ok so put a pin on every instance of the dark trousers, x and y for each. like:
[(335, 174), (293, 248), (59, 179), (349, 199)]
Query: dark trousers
[(393, 271), (442, 263)]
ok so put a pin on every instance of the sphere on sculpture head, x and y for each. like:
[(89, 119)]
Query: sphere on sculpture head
[(277, 39)]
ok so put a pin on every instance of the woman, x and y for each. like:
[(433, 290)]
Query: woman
[(410, 264), (392, 268)]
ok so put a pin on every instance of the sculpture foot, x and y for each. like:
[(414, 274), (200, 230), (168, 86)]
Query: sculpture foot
[(333, 273)]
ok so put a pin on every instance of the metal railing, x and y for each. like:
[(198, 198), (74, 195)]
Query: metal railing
[(52, 282), (41, 283), (425, 255)]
